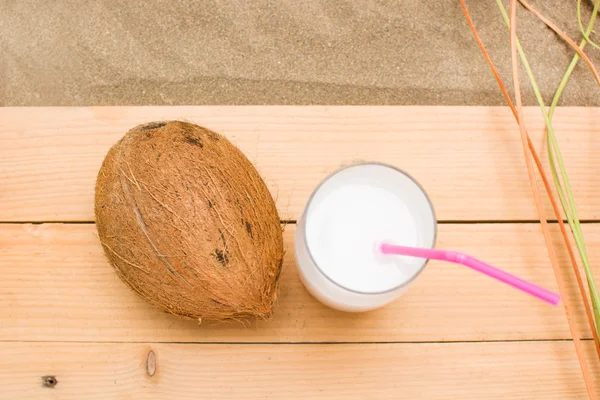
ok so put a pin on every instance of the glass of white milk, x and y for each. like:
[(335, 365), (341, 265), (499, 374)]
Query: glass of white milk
[(348, 215)]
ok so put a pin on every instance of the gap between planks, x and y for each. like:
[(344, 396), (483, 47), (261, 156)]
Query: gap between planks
[(294, 343), (295, 222)]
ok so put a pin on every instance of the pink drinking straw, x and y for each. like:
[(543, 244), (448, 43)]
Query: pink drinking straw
[(471, 262)]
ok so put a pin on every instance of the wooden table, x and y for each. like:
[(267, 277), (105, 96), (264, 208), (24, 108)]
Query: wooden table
[(453, 335)]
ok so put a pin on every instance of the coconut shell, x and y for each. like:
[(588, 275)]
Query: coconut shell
[(188, 224)]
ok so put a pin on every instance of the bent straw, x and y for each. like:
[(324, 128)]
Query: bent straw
[(477, 265)]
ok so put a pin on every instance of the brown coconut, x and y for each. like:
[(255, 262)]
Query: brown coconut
[(187, 223)]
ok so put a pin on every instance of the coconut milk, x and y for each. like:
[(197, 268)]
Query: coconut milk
[(348, 215)]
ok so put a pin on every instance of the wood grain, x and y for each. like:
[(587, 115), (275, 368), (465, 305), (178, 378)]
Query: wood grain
[(518, 370), (469, 159), (454, 334), (56, 285)]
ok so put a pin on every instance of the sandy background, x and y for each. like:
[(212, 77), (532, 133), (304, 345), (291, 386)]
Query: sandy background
[(272, 52)]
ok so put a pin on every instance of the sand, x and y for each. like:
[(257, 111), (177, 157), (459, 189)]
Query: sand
[(146, 52)]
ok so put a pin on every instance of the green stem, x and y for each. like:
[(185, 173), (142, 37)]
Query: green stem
[(583, 31), (567, 201), (574, 61)]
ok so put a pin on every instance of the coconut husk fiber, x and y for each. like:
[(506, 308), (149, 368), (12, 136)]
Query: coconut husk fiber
[(188, 224)]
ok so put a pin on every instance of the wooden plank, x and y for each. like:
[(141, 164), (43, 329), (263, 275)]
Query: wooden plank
[(511, 370), (468, 158), (56, 285)]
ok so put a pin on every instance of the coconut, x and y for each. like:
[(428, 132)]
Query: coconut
[(188, 224)]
